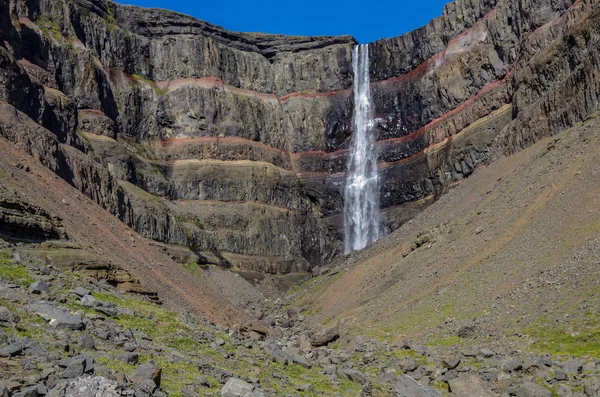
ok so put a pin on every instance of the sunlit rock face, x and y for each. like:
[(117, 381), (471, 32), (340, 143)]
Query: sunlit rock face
[(236, 145)]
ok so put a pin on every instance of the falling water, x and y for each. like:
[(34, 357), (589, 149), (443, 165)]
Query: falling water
[(361, 195)]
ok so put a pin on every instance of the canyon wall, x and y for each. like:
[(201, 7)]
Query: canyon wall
[(235, 144)]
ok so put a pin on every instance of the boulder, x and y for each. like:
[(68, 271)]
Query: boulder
[(468, 386), (12, 292), (451, 362), (572, 367), (81, 292), (38, 288), (32, 391), (293, 313), (129, 358), (8, 318), (353, 374), (74, 370), (530, 389), (92, 386), (512, 364), (89, 301), (238, 388), (487, 353), (57, 316), (325, 336), (148, 370), (86, 342), (11, 350), (406, 386)]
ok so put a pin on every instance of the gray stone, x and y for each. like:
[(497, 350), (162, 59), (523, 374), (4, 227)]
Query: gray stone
[(572, 367), (238, 388), (81, 292), (467, 331), (560, 375), (74, 370), (451, 362), (468, 385), (301, 360), (108, 310), (57, 316), (31, 391), (325, 336), (86, 342), (329, 369), (12, 292), (7, 317), (203, 381), (406, 386), (469, 352), (487, 353), (11, 350), (563, 391), (147, 386), (353, 374), (4, 390), (293, 313), (92, 386), (89, 301), (531, 389), (590, 390), (513, 364), (39, 287), (129, 358), (408, 364), (148, 370)]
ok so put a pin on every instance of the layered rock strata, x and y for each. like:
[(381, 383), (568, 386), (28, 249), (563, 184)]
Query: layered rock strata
[(236, 144)]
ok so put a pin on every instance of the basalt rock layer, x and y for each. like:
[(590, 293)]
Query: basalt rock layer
[(235, 144)]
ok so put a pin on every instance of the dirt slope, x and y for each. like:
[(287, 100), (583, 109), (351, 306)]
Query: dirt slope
[(96, 230), (515, 244)]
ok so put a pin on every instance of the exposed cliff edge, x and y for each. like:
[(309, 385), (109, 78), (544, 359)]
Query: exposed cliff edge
[(235, 144)]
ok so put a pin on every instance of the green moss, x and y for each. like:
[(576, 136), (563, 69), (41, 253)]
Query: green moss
[(175, 375), (116, 365), (445, 342), (110, 19), (151, 83), (13, 272), (298, 375), (558, 340), (106, 297), (188, 345), (191, 266)]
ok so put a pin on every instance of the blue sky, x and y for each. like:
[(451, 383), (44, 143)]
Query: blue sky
[(366, 21)]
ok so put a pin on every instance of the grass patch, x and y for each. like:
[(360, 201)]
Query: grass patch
[(151, 83), (191, 266), (561, 341), (298, 375), (175, 375), (13, 272), (116, 365), (445, 342)]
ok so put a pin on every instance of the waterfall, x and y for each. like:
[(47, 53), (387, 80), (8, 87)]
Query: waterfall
[(361, 195)]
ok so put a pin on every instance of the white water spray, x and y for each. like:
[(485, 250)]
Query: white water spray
[(361, 195)]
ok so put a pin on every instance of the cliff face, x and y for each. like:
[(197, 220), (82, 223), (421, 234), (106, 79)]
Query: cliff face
[(236, 144)]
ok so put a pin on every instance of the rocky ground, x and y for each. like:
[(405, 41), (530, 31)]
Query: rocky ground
[(64, 334)]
